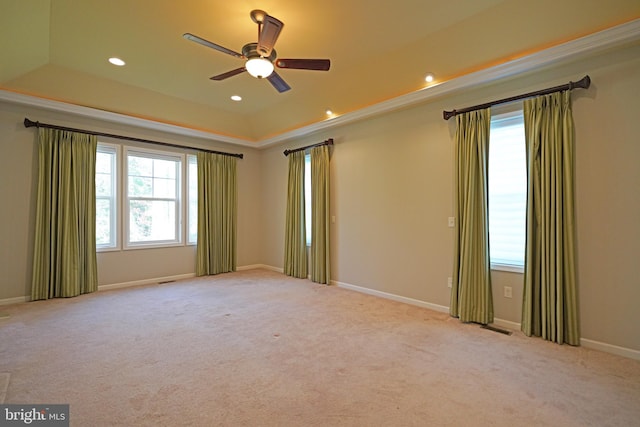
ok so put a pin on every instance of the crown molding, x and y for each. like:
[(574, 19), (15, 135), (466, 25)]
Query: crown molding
[(93, 113), (572, 50)]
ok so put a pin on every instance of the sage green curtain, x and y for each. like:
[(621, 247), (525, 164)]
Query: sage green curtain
[(295, 240), (320, 260), (549, 307), (471, 297), (217, 214), (64, 258)]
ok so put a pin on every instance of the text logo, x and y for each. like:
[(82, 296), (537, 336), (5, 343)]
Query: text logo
[(34, 415)]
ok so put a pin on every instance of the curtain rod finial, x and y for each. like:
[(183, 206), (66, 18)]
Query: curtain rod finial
[(28, 123), (448, 114), (584, 83)]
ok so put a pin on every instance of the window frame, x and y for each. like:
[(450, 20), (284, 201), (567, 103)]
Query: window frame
[(191, 159), (508, 112), (307, 197), (179, 159), (115, 151)]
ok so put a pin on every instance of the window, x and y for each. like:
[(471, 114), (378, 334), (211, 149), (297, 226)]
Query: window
[(153, 188), (507, 191), (106, 196), (192, 197), (139, 200), (307, 196)]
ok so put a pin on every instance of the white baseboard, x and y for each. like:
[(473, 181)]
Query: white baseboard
[(15, 300), (393, 297), (506, 324), (587, 343), (584, 342), (610, 348), (155, 280), (178, 277), (257, 266)]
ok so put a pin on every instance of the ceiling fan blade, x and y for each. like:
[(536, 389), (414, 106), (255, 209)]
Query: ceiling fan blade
[(304, 64), (229, 74), (212, 45), (271, 28), (278, 82)]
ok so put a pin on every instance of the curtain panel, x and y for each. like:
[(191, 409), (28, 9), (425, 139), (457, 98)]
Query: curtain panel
[(64, 259), (471, 295), (320, 258), (217, 214), (295, 241), (549, 307)]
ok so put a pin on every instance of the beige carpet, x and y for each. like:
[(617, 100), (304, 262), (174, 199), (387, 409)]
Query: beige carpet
[(257, 348)]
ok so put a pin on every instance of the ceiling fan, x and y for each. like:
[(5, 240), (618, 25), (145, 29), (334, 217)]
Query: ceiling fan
[(261, 56)]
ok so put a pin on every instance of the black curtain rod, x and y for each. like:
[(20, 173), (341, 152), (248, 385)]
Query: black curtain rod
[(319, 144), (28, 123), (584, 83)]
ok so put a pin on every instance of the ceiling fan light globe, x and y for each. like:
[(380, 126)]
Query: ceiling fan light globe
[(259, 67)]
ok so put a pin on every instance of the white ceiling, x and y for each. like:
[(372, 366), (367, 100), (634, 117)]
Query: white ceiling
[(58, 49)]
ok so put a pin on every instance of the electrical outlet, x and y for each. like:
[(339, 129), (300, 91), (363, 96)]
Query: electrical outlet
[(452, 222), (449, 282), (508, 292)]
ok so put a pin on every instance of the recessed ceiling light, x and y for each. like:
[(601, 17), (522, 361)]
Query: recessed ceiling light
[(117, 61), (236, 97), (329, 112), (429, 77)]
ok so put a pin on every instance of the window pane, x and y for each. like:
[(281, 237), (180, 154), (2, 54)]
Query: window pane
[(164, 188), (307, 196), (103, 162), (140, 186), (152, 220), (106, 189), (140, 166), (153, 190), (507, 190), (193, 199), (164, 168), (103, 222), (103, 184)]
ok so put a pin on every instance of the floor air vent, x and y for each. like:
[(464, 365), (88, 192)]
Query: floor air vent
[(496, 329)]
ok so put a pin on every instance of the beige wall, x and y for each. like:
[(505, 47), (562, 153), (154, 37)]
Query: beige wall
[(17, 198), (391, 194), (392, 186), (18, 160)]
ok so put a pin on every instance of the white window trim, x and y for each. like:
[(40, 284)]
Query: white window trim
[(501, 113), (116, 204), (307, 196), (179, 241), (188, 240), (507, 267)]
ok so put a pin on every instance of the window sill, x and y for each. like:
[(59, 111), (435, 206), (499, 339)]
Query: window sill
[(508, 267), (133, 247), (108, 249)]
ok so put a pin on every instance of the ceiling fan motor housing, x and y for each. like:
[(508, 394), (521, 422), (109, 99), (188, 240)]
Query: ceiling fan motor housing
[(250, 51)]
